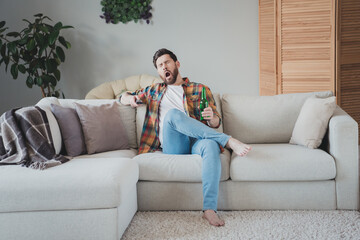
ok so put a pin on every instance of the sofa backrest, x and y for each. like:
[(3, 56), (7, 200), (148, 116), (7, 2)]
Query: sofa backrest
[(263, 119), (113, 89)]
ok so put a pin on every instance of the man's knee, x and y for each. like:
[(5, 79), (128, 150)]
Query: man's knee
[(209, 145), (173, 115)]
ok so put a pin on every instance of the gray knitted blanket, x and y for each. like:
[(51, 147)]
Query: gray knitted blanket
[(25, 139)]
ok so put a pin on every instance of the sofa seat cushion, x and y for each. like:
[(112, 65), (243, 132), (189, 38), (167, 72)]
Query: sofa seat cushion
[(82, 183), (176, 168), (124, 153), (282, 162)]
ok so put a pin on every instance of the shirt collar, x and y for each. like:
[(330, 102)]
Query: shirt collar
[(186, 83)]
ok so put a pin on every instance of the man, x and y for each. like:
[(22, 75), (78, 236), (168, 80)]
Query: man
[(172, 123)]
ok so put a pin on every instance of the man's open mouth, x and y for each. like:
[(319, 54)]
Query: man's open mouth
[(167, 74)]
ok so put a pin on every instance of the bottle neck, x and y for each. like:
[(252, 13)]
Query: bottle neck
[(203, 93)]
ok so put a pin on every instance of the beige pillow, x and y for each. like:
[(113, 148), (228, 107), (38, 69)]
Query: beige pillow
[(312, 122), (102, 126)]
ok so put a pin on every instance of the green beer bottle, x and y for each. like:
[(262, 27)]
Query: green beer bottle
[(203, 102)]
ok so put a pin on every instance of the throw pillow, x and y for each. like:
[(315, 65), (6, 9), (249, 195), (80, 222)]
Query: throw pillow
[(103, 127), (312, 122), (71, 130)]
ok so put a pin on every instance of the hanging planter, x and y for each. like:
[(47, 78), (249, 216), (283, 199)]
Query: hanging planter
[(124, 11)]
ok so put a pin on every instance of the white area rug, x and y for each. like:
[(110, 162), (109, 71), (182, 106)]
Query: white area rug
[(246, 225)]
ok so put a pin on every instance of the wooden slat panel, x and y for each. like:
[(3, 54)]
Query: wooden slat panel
[(267, 47), (348, 59), (307, 46)]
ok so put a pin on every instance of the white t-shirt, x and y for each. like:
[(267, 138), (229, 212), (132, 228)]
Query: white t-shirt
[(173, 98)]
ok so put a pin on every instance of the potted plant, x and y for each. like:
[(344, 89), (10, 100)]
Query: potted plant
[(36, 51), (124, 11)]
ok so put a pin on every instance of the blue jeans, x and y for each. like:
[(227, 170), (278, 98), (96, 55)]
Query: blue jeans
[(185, 135)]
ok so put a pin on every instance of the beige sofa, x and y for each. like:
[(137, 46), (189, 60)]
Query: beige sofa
[(95, 196)]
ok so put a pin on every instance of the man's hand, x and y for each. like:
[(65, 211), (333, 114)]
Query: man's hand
[(131, 100), (209, 116), (135, 101)]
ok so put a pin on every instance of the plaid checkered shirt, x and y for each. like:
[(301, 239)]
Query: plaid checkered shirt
[(152, 95)]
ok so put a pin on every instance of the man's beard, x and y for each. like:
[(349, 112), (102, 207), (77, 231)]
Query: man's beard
[(173, 79)]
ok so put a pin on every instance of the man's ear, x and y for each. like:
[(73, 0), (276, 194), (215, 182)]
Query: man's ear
[(177, 64)]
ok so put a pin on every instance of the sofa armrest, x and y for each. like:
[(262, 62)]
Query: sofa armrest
[(343, 146)]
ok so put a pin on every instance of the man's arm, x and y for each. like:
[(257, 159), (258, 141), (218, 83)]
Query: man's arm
[(128, 99), (214, 122)]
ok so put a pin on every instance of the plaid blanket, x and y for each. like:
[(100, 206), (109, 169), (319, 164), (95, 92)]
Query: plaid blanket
[(25, 139)]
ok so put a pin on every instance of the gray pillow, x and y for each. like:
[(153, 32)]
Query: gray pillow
[(71, 130), (103, 128), (312, 122)]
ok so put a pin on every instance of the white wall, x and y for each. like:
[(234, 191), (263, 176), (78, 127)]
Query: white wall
[(215, 41)]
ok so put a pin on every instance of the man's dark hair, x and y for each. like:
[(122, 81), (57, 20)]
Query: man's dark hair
[(161, 52)]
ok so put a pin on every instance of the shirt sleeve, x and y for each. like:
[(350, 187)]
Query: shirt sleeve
[(142, 93)]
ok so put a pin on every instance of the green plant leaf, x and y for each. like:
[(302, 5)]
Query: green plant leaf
[(52, 80), (45, 45), (33, 64), (30, 45), (49, 27), (53, 36), (49, 80), (68, 45), (2, 24), (14, 70), (42, 50), (46, 17), (57, 61), (51, 65), (44, 28), (25, 20), (38, 15), (26, 56), (58, 26), (57, 74), (2, 30), (13, 34), (12, 47), (60, 53), (22, 68), (56, 94), (64, 27), (6, 60), (23, 41), (63, 41), (29, 82), (15, 56), (40, 39), (27, 31), (39, 81), (3, 50)]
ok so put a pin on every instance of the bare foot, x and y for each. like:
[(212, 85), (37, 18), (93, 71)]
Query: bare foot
[(213, 218), (238, 147)]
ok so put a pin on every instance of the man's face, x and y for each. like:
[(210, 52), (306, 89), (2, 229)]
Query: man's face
[(167, 69)]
